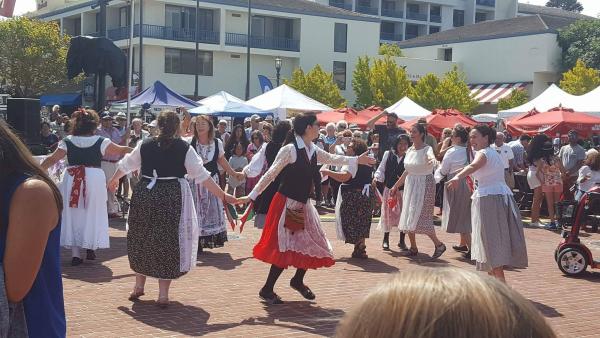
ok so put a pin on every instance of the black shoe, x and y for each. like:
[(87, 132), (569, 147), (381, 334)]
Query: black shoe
[(386, 242), (270, 297), (467, 255), (90, 255), (439, 250), (460, 248), (402, 246), (76, 261), (303, 290)]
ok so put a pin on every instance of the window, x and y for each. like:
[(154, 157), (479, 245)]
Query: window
[(124, 16), (459, 18), (77, 26), (340, 38), (181, 61), (282, 28), (388, 27), (97, 22), (448, 54), (434, 29), (126, 52), (184, 18), (479, 17), (435, 10), (412, 8), (339, 74)]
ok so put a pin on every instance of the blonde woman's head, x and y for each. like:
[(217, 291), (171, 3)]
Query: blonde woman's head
[(443, 302)]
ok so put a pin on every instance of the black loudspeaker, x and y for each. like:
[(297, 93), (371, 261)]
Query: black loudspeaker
[(24, 116)]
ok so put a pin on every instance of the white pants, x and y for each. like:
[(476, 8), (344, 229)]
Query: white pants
[(109, 169)]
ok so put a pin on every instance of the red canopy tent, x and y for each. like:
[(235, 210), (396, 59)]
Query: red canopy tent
[(440, 119), (557, 120), (362, 117), (335, 115)]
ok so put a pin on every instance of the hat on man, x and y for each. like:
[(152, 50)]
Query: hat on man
[(269, 118), (153, 124), (254, 118), (121, 116), (223, 122), (106, 116)]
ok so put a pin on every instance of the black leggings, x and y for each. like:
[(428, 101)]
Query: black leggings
[(274, 274)]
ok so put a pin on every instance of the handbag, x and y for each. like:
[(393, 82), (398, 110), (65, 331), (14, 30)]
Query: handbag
[(12, 315), (294, 219)]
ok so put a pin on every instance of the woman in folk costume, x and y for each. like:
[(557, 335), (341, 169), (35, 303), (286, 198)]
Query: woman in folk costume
[(498, 240), (292, 235), (419, 192), (162, 236), (354, 204), (456, 215), (260, 162), (83, 186), (390, 170), (209, 207)]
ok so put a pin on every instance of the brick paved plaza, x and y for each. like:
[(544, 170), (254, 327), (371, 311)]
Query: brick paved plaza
[(219, 298)]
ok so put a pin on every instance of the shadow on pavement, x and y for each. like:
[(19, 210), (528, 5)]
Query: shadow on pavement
[(368, 265), (546, 310), (219, 260), (301, 316), (184, 319), (95, 271)]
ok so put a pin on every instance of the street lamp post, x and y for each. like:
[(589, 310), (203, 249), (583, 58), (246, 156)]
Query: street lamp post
[(248, 42), (278, 69), (196, 68)]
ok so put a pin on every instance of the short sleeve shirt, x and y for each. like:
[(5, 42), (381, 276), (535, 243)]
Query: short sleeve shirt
[(386, 138), (569, 156), (506, 154)]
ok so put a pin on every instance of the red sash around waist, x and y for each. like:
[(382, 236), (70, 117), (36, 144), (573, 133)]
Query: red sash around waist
[(78, 173)]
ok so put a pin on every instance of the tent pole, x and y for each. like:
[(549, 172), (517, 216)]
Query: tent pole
[(130, 68)]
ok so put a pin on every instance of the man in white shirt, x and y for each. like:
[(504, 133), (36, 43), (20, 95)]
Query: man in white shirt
[(507, 156)]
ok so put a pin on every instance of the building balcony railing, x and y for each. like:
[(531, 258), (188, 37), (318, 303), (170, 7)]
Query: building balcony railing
[(165, 33), (367, 10), (265, 42), (390, 36), (435, 18), (392, 13), (340, 4), (416, 16), (491, 3), (410, 36)]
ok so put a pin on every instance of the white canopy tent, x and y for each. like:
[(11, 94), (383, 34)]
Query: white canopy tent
[(225, 104), (485, 118), (552, 97), (284, 98), (406, 109), (589, 103)]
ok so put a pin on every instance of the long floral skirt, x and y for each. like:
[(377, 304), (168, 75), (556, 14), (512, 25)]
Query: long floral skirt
[(356, 215), (153, 235)]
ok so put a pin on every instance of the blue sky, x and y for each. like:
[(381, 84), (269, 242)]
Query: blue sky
[(591, 7)]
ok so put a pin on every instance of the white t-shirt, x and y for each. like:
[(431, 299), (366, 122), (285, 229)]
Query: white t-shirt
[(505, 152)]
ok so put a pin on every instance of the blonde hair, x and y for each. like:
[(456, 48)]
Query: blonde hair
[(444, 302)]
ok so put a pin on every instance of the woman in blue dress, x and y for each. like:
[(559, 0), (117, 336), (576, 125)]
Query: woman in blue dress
[(29, 243)]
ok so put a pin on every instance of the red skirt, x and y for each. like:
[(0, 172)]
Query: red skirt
[(267, 248)]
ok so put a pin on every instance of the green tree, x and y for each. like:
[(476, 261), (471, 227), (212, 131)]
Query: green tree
[(390, 49), (388, 82), (580, 41), (568, 5), (453, 92), (425, 92), (516, 98), (361, 82), (580, 79), (318, 85), (32, 56)]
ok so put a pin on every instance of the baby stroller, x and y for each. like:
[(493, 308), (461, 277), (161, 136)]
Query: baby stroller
[(571, 255)]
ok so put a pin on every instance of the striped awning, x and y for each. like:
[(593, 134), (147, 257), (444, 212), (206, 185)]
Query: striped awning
[(491, 93)]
